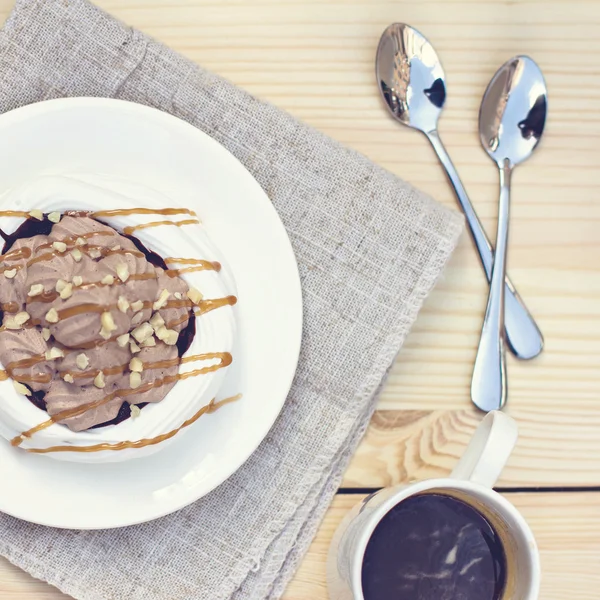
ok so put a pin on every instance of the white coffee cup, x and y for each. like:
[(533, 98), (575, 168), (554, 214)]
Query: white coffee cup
[(471, 481)]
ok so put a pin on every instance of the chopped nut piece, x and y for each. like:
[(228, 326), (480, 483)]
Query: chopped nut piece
[(134, 347), (135, 410), (10, 273), (54, 353), (135, 380), (143, 332), (36, 289), (82, 361), (178, 295), (122, 272), (122, 304), (168, 336), (60, 285), (95, 253), (22, 317), (37, 214), (80, 241), (107, 280), (54, 217), (123, 340), (116, 248), (137, 305), (59, 246), (194, 295), (45, 334), (52, 316), (77, 280), (156, 321), (10, 323), (107, 321), (67, 291), (76, 254), (99, 380), (171, 338), (68, 378), (108, 325), (148, 343), (162, 332), (22, 389), (162, 300), (135, 364), (105, 334)]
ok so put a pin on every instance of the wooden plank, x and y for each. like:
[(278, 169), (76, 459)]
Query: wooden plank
[(566, 526)]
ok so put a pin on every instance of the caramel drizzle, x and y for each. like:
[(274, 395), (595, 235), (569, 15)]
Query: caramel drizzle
[(25, 363), (24, 253), (16, 254), (50, 296), (224, 358), (129, 230), (200, 309), (192, 261), (203, 307), (14, 213), (148, 366), (197, 265), (71, 240), (9, 307), (124, 212), (104, 251), (67, 313), (211, 407)]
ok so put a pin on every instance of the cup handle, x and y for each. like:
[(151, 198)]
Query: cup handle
[(489, 450)]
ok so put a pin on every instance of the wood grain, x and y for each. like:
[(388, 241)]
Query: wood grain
[(314, 58), (566, 527)]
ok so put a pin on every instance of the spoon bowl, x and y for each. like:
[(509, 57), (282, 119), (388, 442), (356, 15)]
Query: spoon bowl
[(410, 77), (513, 111)]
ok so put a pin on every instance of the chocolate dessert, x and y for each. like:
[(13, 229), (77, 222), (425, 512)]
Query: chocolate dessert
[(89, 317)]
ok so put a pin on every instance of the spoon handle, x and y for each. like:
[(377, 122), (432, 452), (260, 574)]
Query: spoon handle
[(488, 386), (523, 335)]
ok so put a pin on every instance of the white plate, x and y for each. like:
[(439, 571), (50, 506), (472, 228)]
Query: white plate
[(140, 144)]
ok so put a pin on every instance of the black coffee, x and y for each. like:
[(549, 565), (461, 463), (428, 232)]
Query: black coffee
[(434, 547)]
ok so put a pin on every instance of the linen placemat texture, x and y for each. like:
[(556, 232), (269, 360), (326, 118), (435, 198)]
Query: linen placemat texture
[(369, 249)]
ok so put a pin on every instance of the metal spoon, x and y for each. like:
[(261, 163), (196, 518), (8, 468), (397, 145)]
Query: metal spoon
[(411, 81), (511, 122)]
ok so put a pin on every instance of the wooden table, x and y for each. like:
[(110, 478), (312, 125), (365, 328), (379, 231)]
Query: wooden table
[(315, 59)]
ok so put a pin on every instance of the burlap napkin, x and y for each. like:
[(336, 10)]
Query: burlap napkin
[(369, 249)]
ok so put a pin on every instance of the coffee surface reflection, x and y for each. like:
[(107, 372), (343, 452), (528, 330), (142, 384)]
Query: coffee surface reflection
[(434, 547)]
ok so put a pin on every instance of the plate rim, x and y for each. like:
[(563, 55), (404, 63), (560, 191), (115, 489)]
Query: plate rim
[(296, 310)]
